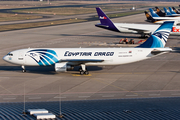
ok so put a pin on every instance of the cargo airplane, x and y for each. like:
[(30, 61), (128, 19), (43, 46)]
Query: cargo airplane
[(142, 29), (156, 19), (66, 58)]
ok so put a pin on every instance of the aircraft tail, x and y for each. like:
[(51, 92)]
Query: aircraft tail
[(175, 10), (159, 38), (159, 12), (167, 12), (153, 13), (106, 23), (172, 12), (149, 17)]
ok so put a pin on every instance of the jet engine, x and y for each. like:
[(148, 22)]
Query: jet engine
[(62, 67)]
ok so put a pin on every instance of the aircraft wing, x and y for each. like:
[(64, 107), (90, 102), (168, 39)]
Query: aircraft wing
[(81, 60), (139, 30)]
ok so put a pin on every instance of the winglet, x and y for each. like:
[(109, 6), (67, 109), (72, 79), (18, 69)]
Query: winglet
[(159, 38), (105, 21), (153, 13)]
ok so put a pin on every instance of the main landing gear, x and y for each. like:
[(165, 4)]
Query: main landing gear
[(23, 67), (83, 70), (144, 36)]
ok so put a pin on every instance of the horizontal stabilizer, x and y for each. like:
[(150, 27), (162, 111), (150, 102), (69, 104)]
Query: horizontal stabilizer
[(103, 26), (137, 29), (158, 51)]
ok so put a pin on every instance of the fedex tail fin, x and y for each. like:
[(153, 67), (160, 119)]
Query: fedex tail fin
[(167, 12), (159, 12), (149, 17), (171, 11), (159, 38), (175, 10), (106, 23), (153, 13)]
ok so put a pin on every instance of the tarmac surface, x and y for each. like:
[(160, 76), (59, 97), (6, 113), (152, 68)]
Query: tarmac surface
[(47, 17), (155, 77), (120, 109)]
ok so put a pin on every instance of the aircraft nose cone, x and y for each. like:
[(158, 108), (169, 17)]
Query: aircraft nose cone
[(5, 58)]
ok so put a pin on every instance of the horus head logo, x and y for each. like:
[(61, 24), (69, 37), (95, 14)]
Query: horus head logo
[(43, 56), (162, 35)]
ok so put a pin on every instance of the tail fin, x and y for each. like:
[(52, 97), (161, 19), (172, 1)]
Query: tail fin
[(159, 12), (167, 12), (105, 21), (149, 17), (159, 38), (172, 12), (175, 10), (153, 13)]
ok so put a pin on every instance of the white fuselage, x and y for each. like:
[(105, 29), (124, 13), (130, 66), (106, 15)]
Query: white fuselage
[(143, 28), (110, 56), (162, 19)]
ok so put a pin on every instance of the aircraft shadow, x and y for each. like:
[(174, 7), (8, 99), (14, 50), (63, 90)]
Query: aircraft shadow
[(48, 70), (176, 50), (107, 36)]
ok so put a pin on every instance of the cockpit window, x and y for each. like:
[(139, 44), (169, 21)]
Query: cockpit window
[(10, 54)]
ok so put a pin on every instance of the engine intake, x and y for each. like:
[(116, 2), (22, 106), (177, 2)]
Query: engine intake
[(62, 67)]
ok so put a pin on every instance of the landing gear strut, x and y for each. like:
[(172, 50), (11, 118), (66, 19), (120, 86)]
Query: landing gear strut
[(23, 67), (83, 70)]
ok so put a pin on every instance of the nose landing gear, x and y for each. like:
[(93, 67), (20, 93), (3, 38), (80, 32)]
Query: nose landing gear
[(23, 67)]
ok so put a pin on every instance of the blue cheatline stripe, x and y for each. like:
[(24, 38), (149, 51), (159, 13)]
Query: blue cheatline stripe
[(52, 51), (40, 62), (44, 61), (50, 56), (49, 60)]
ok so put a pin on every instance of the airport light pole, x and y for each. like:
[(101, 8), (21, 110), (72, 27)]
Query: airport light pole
[(60, 113)]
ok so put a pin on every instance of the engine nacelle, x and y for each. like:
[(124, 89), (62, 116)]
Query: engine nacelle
[(62, 67)]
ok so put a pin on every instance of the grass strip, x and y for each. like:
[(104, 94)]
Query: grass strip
[(124, 14), (14, 17), (59, 11), (59, 22), (38, 24)]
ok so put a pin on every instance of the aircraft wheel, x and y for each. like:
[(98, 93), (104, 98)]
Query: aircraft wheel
[(81, 72), (86, 72), (80, 69)]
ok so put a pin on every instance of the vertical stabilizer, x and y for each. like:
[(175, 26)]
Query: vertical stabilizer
[(175, 10), (149, 17), (105, 21), (159, 12), (167, 12), (153, 13), (159, 38), (172, 12)]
